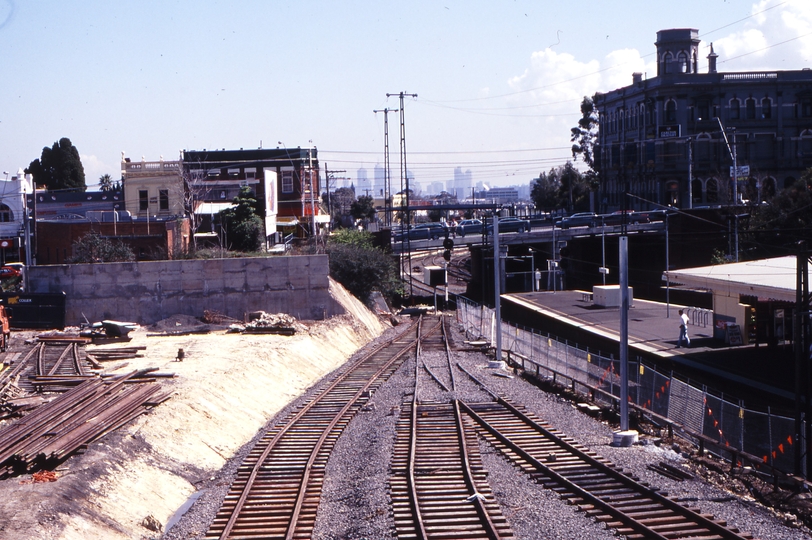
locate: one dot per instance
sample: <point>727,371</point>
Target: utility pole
<point>404,180</point>
<point>690,174</point>
<point>387,179</point>
<point>312,188</point>
<point>731,149</point>
<point>327,174</point>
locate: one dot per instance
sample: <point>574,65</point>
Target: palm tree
<point>106,183</point>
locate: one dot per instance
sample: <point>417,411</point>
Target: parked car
<point>9,272</point>
<point>616,218</point>
<point>510,224</point>
<point>423,231</point>
<point>581,219</point>
<point>469,226</point>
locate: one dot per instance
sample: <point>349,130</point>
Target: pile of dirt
<point>228,385</point>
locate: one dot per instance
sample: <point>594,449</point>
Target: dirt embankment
<point>226,388</point>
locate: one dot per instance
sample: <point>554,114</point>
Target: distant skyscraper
<point>462,184</point>
<point>379,183</point>
<point>363,186</point>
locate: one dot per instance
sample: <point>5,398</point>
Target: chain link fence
<point>702,416</point>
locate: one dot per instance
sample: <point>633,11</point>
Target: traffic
<point>511,224</point>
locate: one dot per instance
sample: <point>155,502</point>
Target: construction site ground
<point>130,483</point>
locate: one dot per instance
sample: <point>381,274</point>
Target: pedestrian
<point>683,330</point>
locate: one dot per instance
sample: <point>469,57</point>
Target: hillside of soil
<point>130,483</point>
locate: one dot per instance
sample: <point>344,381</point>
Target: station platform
<point>745,371</point>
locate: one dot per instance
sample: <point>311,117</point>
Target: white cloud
<point>94,168</point>
<point>775,38</point>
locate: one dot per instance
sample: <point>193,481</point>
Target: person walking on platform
<point>683,330</point>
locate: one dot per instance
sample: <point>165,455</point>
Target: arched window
<point>667,59</point>
<point>696,191</point>
<point>682,63</point>
<point>6,214</point>
<point>735,109</point>
<point>712,191</point>
<point>671,111</point>
<point>766,108</point>
<point>672,193</point>
<point>806,142</point>
<point>750,108</point>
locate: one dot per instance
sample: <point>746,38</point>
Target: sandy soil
<point>128,485</point>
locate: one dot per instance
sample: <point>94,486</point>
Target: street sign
<point>744,172</point>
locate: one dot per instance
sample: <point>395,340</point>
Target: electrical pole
<point>387,179</point>
<point>404,180</point>
<point>327,174</point>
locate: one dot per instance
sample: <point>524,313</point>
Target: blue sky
<point>498,83</point>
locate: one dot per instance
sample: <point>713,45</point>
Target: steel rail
<point>68,348</point>
<point>479,503</point>
<point>436,434</point>
<point>290,424</point>
<point>613,475</point>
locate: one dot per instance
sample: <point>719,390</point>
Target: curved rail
<point>630,506</point>
<point>250,510</point>
<point>445,493</point>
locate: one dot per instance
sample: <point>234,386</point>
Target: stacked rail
<point>53,431</point>
<point>277,489</point>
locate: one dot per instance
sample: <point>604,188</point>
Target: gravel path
<point>355,498</point>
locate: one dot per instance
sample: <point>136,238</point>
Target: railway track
<point>277,489</point>
<point>44,362</point>
<point>632,508</point>
<point>438,486</point>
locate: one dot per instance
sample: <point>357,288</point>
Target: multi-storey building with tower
<point>672,139</point>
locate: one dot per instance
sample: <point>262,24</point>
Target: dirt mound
<point>226,388</point>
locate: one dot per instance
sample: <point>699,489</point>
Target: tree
<point>106,183</point>
<point>545,189</point>
<point>341,201</point>
<point>361,268</point>
<point>243,226</point>
<point>788,216</point>
<point>94,248</point>
<point>563,186</point>
<point>585,134</point>
<point>363,207</point>
<point>59,167</point>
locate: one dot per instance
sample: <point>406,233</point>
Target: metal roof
<point>773,279</point>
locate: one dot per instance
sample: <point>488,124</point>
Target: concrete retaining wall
<point>146,292</point>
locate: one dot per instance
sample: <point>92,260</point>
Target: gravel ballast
<point>355,500</point>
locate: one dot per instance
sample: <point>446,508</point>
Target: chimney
<point>712,60</point>
<point>637,77</point>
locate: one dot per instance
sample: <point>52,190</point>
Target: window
<point>703,109</point>
<point>163,199</point>
<point>735,109</point>
<point>667,59</point>
<point>671,111</point>
<point>143,200</point>
<point>750,109</point>
<point>682,63</point>
<point>806,108</point>
<point>287,181</point>
<point>6,214</point>
<point>766,108</point>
